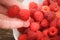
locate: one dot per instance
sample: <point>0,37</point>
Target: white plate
<point>25,3</point>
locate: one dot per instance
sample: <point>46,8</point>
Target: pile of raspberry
<point>44,20</point>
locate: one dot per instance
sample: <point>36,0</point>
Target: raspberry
<point>58,14</point>
<point>24,14</point>
<point>53,23</point>
<point>44,23</point>
<point>52,31</point>
<point>13,11</point>
<point>49,15</point>
<point>22,37</point>
<point>54,6</point>
<point>45,9</point>
<point>33,7</point>
<point>34,26</point>
<point>38,16</point>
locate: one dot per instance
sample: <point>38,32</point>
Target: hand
<point>10,23</point>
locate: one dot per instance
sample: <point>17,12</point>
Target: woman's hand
<point>10,23</point>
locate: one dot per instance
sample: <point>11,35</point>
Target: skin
<point>10,23</point>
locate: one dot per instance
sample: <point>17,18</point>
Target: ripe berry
<point>38,16</point>
<point>52,31</point>
<point>33,7</point>
<point>44,23</point>
<point>13,11</point>
<point>22,37</point>
<point>34,26</point>
<point>24,14</point>
<point>49,15</point>
<point>54,6</point>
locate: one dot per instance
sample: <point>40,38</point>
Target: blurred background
<point>7,34</point>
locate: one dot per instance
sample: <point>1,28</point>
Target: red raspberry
<point>49,15</point>
<point>58,23</point>
<point>53,23</point>
<point>52,31</point>
<point>34,26</point>
<point>13,11</point>
<point>38,16</point>
<point>54,6</point>
<point>33,7</point>
<point>45,9</point>
<point>44,23</point>
<point>24,14</point>
<point>22,37</point>
<point>58,14</point>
